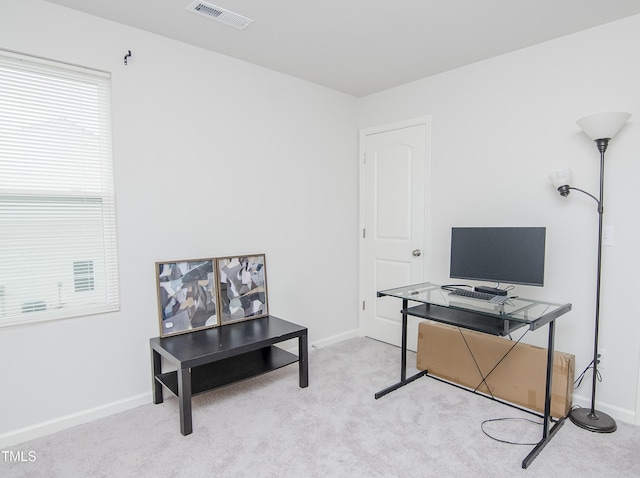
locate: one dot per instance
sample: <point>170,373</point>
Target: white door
<point>394,209</point>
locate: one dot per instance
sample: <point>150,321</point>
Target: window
<point>58,254</point>
<point>83,275</point>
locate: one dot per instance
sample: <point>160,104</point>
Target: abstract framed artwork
<point>242,285</point>
<point>187,296</point>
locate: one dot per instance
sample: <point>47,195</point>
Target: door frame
<point>364,132</point>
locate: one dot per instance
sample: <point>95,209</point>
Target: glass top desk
<point>473,314</point>
<point>432,302</point>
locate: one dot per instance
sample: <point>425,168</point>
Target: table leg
<point>303,361</point>
<point>403,361</point>
<point>184,400</point>
<point>547,399</point>
<point>547,434</point>
<point>156,369</point>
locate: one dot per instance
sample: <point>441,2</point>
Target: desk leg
<point>547,398</point>
<point>547,434</point>
<point>303,361</point>
<point>156,369</point>
<point>403,360</point>
<point>184,400</point>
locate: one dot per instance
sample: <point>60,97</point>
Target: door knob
<point>416,253</point>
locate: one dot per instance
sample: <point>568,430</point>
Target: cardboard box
<point>445,351</point>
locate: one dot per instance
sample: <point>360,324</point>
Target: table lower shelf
<point>230,370</point>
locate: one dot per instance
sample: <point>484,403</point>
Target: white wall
<point>192,128</point>
<point>212,157</point>
<point>498,128</point>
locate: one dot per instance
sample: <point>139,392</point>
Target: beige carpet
<point>269,427</point>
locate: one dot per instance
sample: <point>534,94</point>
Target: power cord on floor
<point>508,419</point>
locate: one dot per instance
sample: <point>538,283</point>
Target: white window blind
<point>58,255</point>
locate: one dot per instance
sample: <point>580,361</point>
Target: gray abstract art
<point>243,288</point>
<point>187,296</point>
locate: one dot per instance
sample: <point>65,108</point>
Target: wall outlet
<point>602,359</point>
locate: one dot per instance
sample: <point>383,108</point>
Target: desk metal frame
<point>495,323</point>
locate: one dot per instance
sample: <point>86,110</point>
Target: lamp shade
<point>561,177</point>
<point>603,125</point>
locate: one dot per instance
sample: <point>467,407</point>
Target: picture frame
<point>187,295</point>
<point>242,288</point>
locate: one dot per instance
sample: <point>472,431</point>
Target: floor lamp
<point>600,128</point>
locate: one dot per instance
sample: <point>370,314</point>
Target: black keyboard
<point>472,294</point>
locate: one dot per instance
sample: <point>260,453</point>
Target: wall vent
<point>219,14</point>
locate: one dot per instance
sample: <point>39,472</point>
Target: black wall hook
<point>126,57</point>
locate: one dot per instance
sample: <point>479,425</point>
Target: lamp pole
<point>600,128</point>
<point>592,419</point>
<point>602,147</point>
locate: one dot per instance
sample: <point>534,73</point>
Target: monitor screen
<point>512,255</point>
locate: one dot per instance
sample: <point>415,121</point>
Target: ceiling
<point>361,47</point>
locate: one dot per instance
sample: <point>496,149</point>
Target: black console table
<point>211,358</point>
<point>434,303</point>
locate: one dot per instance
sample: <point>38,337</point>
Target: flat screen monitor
<point>512,255</point>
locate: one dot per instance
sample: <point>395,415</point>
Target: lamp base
<point>597,422</point>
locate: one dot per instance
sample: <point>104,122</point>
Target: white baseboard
<point>336,339</point>
<point>617,413</point>
<point>38,430</point>
<point>292,345</point>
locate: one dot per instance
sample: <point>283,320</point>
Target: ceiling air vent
<point>220,14</point>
